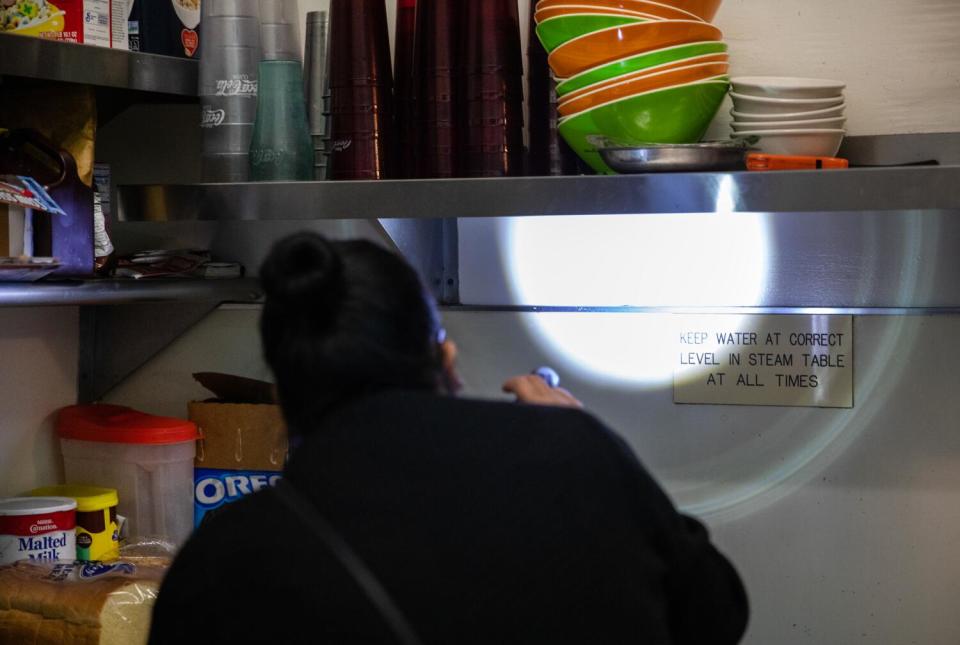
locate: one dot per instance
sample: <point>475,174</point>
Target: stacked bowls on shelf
<point>633,72</point>
<point>789,116</point>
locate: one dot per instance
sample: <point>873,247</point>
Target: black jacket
<point>488,523</point>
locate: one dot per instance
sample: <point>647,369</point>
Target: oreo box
<point>243,445</point>
<point>167,27</point>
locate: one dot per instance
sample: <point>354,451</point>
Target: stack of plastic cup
<point>281,149</point>
<point>493,78</point>
<point>279,29</point>
<point>228,87</point>
<point>439,89</point>
<point>548,153</point>
<point>317,88</point>
<point>404,66</point>
<point>363,141</point>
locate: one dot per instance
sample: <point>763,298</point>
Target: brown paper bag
<point>64,113</point>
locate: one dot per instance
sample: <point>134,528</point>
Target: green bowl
<point>553,32</point>
<point>679,114</point>
<point>637,63</point>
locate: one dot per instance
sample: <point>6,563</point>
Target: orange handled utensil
<point>760,161</point>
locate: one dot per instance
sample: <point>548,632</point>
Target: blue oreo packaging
<point>214,488</point>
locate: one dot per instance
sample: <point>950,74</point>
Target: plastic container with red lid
<point>147,458</point>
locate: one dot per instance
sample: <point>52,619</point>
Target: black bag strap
<point>378,596</point>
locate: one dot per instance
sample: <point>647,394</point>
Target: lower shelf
<point>118,292</point>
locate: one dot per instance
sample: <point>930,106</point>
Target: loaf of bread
<point>78,604</point>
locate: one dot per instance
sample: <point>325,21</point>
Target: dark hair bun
<point>305,271</point>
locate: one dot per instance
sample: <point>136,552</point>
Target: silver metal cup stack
<point>228,87</point>
<point>316,80</point>
<point>280,30</point>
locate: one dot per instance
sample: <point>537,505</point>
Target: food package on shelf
<point>167,27</point>
<point>18,197</point>
<point>244,441</point>
<point>81,603</point>
<point>91,22</point>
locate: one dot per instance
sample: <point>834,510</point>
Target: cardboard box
<point>92,22</point>
<point>244,444</point>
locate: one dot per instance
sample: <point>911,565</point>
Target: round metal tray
<point>693,157</point>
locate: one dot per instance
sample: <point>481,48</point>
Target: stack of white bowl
<point>789,116</point>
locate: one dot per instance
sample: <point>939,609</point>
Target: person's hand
<point>530,388</point>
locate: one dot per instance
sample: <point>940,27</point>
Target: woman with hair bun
<point>409,515</point>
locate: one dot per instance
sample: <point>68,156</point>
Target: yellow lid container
<point>98,531</point>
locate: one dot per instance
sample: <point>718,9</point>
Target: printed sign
<point>786,360</point>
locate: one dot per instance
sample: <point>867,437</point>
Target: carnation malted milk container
<point>37,528</point>
<point>148,459</point>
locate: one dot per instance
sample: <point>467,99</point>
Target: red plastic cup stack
<point>439,89</point>
<point>404,61</point>
<point>549,154</point>
<point>363,131</point>
<point>493,78</point>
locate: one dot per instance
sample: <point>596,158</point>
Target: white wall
<point>226,341</point>
<point>899,58</point>
<point>38,375</point>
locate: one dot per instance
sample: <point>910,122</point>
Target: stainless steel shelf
<point>117,292</point>
<point>866,189</point>
<point>735,311</point>
<point>99,66</point>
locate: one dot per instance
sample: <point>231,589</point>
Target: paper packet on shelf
<point>22,199</point>
<point>180,263</point>
<point>79,603</point>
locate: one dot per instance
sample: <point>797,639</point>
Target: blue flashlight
<point>549,375</point>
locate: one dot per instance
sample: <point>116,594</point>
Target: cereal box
<point>93,22</point>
